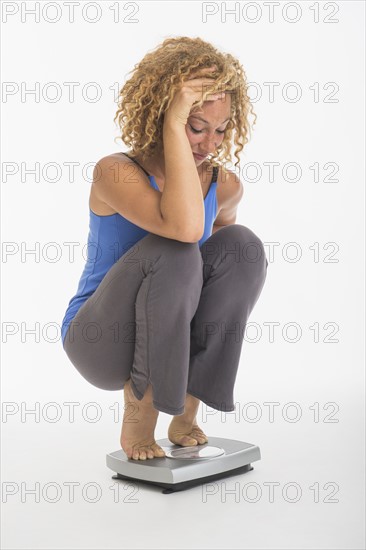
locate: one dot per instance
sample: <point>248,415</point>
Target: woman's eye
<point>195,131</point>
<point>200,131</point>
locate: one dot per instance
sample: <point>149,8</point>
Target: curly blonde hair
<point>145,97</point>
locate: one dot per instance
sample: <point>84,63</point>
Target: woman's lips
<point>199,157</point>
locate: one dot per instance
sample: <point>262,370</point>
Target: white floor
<point>315,469</point>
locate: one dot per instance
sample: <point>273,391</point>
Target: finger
<point>195,75</point>
<point>203,69</point>
<point>200,82</point>
<point>214,98</point>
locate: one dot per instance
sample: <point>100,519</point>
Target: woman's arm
<point>182,199</point>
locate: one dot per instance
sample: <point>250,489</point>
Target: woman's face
<point>205,127</point>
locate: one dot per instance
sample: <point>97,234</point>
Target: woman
<point>170,280</point>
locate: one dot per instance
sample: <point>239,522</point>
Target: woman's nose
<point>208,144</point>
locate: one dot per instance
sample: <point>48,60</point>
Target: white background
<point>324,451</point>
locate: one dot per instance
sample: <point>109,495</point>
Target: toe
<point>200,436</point>
<point>186,440</point>
<point>158,451</point>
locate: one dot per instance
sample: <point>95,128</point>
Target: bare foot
<point>183,429</point>
<point>139,421</point>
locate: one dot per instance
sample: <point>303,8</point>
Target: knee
<point>243,240</point>
<point>240,232</point>
<point>252,247</point>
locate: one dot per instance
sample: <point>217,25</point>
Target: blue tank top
<point>112,236</point>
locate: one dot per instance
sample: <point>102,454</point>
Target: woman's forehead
<point>213,112</point>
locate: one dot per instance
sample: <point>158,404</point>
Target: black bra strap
<point>137,163</point>
<point>215,173</point>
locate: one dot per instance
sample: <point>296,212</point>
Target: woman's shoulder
<point>108,162</point>
<point>118,156</point>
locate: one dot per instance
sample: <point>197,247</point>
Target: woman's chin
<point>198,160</point>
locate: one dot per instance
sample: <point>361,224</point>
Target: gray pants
<point>173,315</point>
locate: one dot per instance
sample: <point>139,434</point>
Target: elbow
<point>193,236</point>
<point>190,235</point>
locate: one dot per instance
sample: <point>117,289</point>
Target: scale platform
<point>185,467</point>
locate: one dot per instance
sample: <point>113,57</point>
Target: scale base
<point>186,467</point>
<point>169,488</point>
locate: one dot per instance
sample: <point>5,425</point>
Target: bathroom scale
<point>185,467</point>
